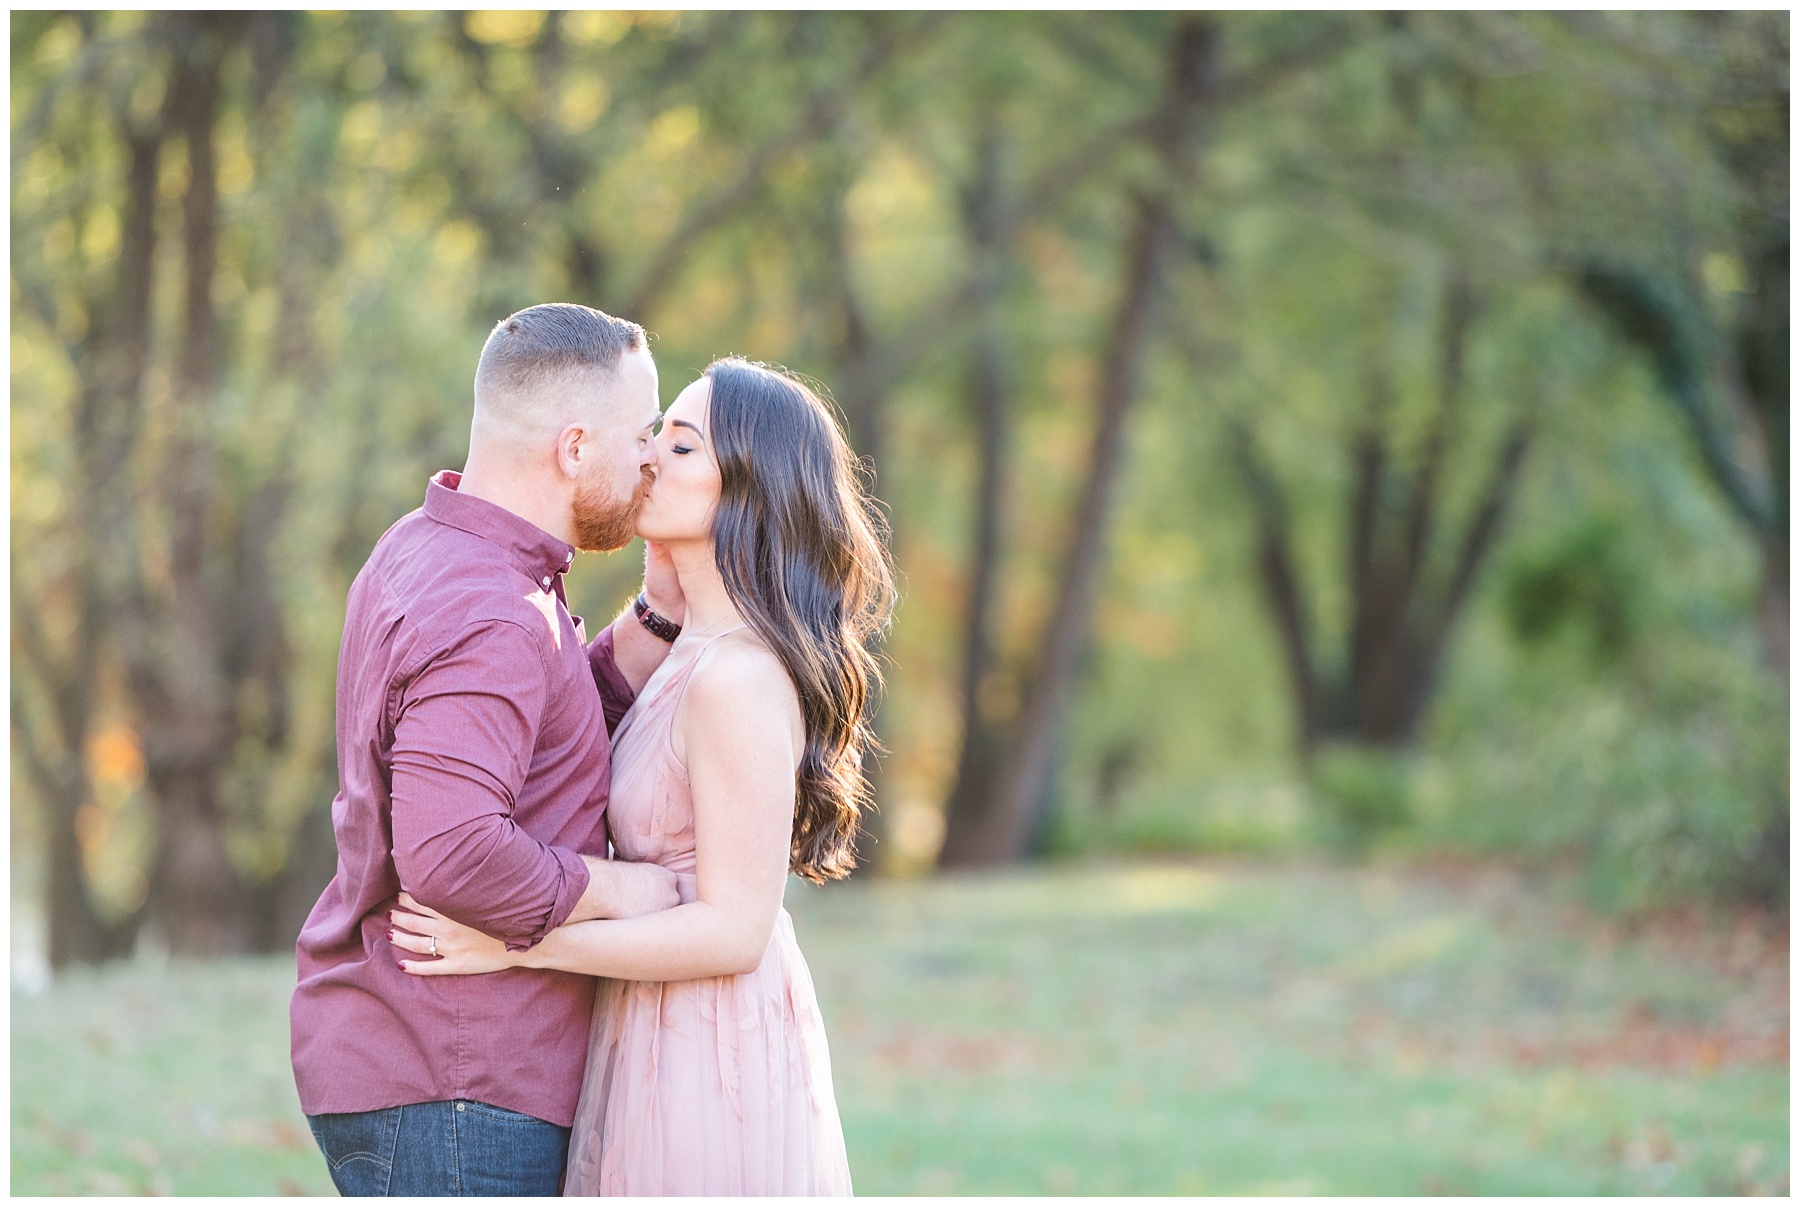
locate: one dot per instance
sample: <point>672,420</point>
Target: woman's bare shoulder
<point>741,672</point>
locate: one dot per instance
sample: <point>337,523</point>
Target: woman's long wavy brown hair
<point>802,548</point>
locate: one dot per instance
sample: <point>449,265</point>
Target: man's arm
<point>744,741</point>
<point>462,746</point>
<point>616,691</point>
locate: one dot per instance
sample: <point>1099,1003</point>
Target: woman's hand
<point>460,950</point>
<point>662,586</point>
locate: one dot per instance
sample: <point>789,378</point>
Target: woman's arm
<point>633,651</point>
<point>741,727</point>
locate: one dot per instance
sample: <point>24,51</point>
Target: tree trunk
<point>1402,614</point>
<point>820,111</point>
<point>1763,354</point>
<point>1279,574</point>
<point>1772,607</point>
<point>1689,359</point>
<point>969,808</point>
<point>196,897</point>
<point>201,908</point>
<point>78,931</point>
<point>861,396</point>
<point>256,654</point>
<point>973,799</point>
<point>1024,791</point>
<point>105,433</point>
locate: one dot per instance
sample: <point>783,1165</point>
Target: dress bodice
<point>719,1085</point>
<point>650,816</point>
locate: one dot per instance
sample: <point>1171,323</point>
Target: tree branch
<point>1648,318</point>
<point>822,108</point>
<point>75,78</point>
<point>1485,524</point>
<point>1460,306</point>
<point>1193,58</point>
<point>1369,452</point>
<point>1280,576</point>
<point>68,689</point>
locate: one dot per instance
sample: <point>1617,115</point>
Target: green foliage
<point>1586,578</point>
<point>1365,792</point>
<point>1624,586</point>
<point>1672,789</point>
<point>784,185</point>
<point>1657,760</point>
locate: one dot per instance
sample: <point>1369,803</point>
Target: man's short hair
<point>528,350</point>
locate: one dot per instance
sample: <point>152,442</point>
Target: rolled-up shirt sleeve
<point>615,691</point>
<point>467,725</point>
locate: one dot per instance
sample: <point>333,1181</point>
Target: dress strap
<point>678,686</point>
<point>677,666</point>
<point>712,637</point>
<point>693,662</point>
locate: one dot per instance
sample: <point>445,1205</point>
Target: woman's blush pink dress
<point>718,1086</point>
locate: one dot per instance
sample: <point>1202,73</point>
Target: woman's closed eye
<point>680,448</point>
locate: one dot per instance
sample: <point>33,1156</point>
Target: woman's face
<point>680,505</point>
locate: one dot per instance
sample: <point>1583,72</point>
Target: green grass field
<point>1195,1028</point>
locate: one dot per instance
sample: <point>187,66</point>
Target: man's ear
<point>573,449</point>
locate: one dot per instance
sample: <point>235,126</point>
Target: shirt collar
<point>532,549</point>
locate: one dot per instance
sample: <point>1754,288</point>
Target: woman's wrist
<point>531,957</point>
<point>652,618</point>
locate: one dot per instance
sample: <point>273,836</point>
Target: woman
<point>739,762</point>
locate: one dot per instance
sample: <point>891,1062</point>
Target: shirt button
<point>567,558</point>
<point>546,584</point>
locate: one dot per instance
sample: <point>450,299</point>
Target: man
<point>472,735</point>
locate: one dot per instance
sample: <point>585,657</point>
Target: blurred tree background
<point>1315,430</point>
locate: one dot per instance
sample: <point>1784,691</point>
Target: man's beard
<point>602,523</point>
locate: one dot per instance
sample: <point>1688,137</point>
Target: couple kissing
<point>521,810</point>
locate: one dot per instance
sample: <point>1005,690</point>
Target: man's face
<point>612,484</point>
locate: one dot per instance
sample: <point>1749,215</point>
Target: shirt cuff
<point>575,879</point>
<point>615,691</point>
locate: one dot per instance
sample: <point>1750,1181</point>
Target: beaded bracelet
<point>658,624</point>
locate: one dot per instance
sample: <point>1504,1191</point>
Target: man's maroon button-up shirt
<point>473,760</point>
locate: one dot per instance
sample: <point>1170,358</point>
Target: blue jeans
<point>442,1148</point>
